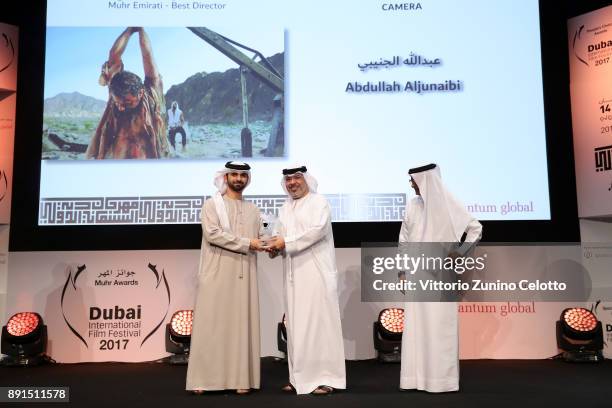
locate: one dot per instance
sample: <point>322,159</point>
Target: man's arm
<point>402,244</point>
<point>214,234</point>
<point>473,235</point>
<point>404,233</point>
<point>116,51</point>
<point>150,69</point>
<point>317,230</point>
<point>114,64</point>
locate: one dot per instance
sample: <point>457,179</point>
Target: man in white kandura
<point>315,345</point>
<point>430,344</point>
<point>225,351</point>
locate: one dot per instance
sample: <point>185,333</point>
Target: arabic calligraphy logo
<point>577,35</point>
<point>603,158</point>
<point>71,285</point>
<point>72,280</point>
<point>159,279</point>
<point>8,44</point>
<point>3,185</point>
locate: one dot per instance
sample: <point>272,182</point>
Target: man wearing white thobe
<point>430,343</point>
<point>225,349</point>
<point>315,345</point>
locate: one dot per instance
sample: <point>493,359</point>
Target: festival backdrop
<point>114,308</point>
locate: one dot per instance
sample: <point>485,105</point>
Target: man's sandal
<point>288,388</point>
<point>323,390</point>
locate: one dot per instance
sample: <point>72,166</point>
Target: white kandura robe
<point>225,349</point>
<point>315,343</point>
<point>430,342</point>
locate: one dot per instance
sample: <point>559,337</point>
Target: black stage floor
<point>484,383</point>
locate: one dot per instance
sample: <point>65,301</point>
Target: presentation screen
<point>146,100</point>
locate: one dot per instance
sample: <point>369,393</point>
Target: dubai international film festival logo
<point>605,317</point>
<point>7,53</point>
<point>576,40</point>
<point>3,185</point>
<point>116,309</point>
<point>596,51</point>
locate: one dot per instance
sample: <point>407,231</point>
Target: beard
<point>297,192</point>
<point>236,186</point>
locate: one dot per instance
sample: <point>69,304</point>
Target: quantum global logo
<point>116,326</point>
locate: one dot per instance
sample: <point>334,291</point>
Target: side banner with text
<point>590,54</point>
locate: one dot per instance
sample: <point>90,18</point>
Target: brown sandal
<point>323,390</point>
<point>243,391</point>
<point>288,388</point>
<point>197,392</point>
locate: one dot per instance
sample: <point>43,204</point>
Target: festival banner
<point>8,86</point>
<point>114,306</point>
<point>590,55</point>
<point>103,308</point>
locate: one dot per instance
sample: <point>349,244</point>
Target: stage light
<point>181,324</point>
<point>24,340</point>
<point>178,336</point>
<point>580,335</point>
<point>281,336</point>
<point>387,332</point>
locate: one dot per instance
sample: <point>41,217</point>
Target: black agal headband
<point>287,172</point>
<point>422,168</point>
<point>237,166</point>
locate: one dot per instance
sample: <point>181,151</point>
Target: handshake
<point>271,245</point>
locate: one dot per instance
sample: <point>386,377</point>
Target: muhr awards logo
<point>9,57</point>
<point>3,185</point>
<point>120,326</point>
<point>577,36</point>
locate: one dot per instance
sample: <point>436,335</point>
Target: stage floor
<point>484,383</point>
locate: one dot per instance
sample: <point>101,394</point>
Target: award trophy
<point>268,228</point>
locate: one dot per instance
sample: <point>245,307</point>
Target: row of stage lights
<point>24,338</point>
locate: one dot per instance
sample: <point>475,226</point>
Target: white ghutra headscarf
<point>310,180</point>
<point>445,218</point>
<point>221,184</point>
